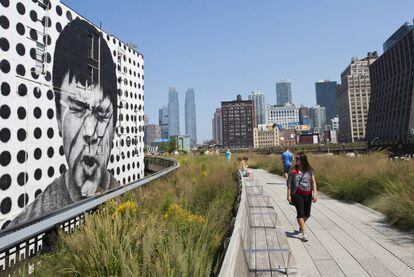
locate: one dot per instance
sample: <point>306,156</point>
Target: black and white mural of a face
<point>86,125</point>
<point>84,81</point>
<point>85,93</point>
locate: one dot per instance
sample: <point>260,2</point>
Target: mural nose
<point>90,130</point>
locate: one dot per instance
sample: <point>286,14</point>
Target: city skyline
<point>202,54</point>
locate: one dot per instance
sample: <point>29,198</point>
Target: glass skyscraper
<point>173,113</point>
<point>190,116</point>
<point>163,121</point>
<point>259,106</point>
<point>326,97</point>
<point>283,93</point>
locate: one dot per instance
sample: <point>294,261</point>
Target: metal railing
<point>27,239</point>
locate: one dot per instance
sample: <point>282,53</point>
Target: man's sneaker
<point>304,237</point>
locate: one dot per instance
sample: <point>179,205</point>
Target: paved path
<point>344,239</point>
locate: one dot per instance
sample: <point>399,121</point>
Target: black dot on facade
<point>21,113</point>
<point>61,152</point>
<point>5,181</point>
<point>20,70</point>
<point>20,8</point>
<point>20,49</point>
<point>4,22</point>
<point>21,156</point>
<point>33,53</point>
<point>4,44</point>
<point>37,92</point>
<point>38,174</point>
<point>58,27</point>
<point>20,29</point>
<point>46,21</point>
<point>5,205</point>
<point>5,89</point>
<point>50,113</point>
<point>33,16</point>
<point>5,111</point>
<point>33,34</point>
<point>5,66</point>
<point>48,76</point>
<point>22,90</point>
<point>5,3</point>
<point>49,94</point>
<point>22,178</point>
<point>37,153</point>
<point>37,133</point>
<point>21,134</point>
<point>37,112</point>
<point>5,158</point>
<point>50,152</point>
<point>50,171</point>
<point>50,133</point>
<point>58,10</point>
<point>23,200</point>
<point>5,135</point>
<point>39,191</point>
<point>62,168</point>
<point>34,74</point>
<point>69,15</point>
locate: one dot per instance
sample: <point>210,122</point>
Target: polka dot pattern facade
<point>31,151</point>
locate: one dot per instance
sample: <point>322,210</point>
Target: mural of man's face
<point>87,128</point>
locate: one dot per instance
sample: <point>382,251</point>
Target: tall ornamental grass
<point>174,227</point>
<point>373,180</point>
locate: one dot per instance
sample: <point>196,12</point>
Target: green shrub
<point>173,227</point>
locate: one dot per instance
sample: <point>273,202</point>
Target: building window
<point>90,46</point>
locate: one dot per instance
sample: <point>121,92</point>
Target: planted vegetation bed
<point>174,227</point>
<point>372,180</point>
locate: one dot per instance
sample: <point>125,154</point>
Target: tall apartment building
<point>190,116</point>
<point>391,112</point>
<point>318,115</point>
<point>259,106</point>
<point>283,93</point>
<point>353,99</point>
<point>335,123</point>
<point>326,97</point>
<point>304,116</point>
<point>217,127</point>
<point>163,121</point>
<point>173,113</point>
<point>152,132</point>
<point>265,136</point>
<point>238,121</point>
<point>71,105</point>
<point>286,117</point>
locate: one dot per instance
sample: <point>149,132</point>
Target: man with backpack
<point>287,159</point>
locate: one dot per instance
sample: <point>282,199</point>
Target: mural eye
<point>101,115</point>
<point>76,107</point>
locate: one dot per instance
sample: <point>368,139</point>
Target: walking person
<point>228,154</point>
<point>287,159</point>
<point>302,191</point>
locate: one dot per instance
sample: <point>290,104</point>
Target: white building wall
<point>287,116</point>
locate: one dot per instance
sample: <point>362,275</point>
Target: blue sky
<point>226,47</point>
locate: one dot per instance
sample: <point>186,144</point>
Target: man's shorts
<point>286,168</point>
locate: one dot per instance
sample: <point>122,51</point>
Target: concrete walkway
<point>344,239</point>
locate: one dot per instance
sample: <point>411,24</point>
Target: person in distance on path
<point>287,159</point>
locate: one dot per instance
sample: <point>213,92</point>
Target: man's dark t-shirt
<point>54,197</point>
